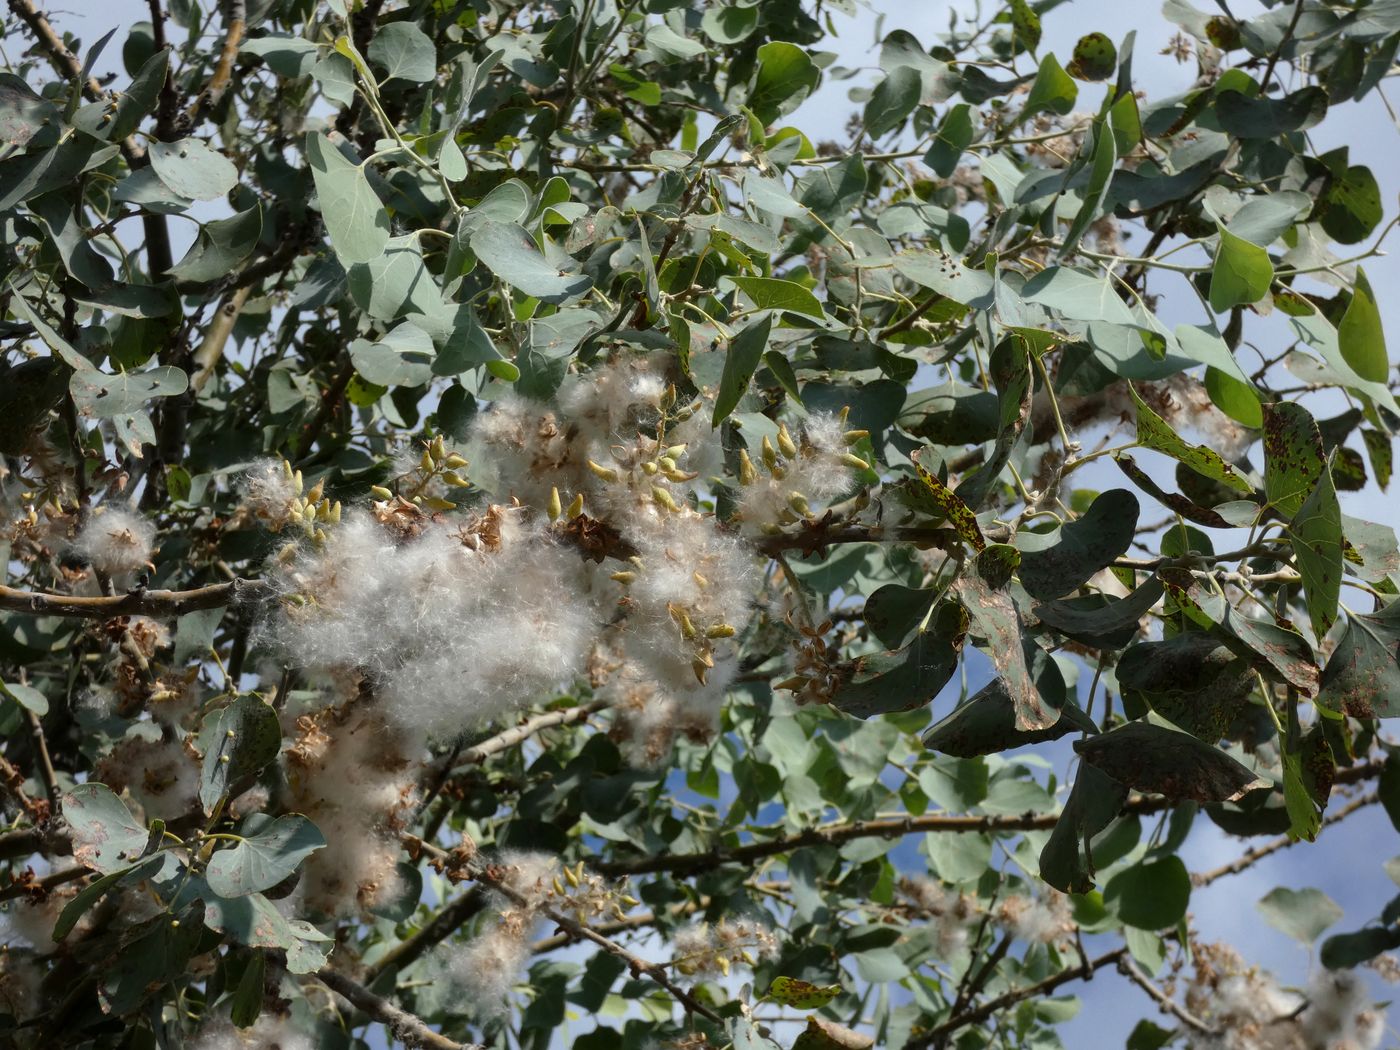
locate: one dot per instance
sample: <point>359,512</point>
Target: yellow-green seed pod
<point>700,581</point>
<point>606,473</point>
<point>455,462</point>
<point>700,671</point>
<point>748,473</point>
<point>786,445</point>
<point>663,496</point>
<point>770,454</point>
<point>555,507</point>
<point>334,516</point>
<point>798,502</point>
<point>571,875</point>
<point>667,464</point>
<point>851,437</point>
<point>649,469</point>
<point>676,451</point>
<point>314,496</point>
<point>381,492</point>
<point>425,461</point>
<point>308,513</point>
<point>721,630</point>
<point>558,886</point>
<point>575,507</point>
<point>623,577</point>
<point>452,478</point>
<point>438,449</point>
<point>296,482</point>
<point>854,461</point>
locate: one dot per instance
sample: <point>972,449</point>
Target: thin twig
<point>1130,970</point>
<point>407,1028</point>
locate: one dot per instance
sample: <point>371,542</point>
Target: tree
<point>511,543</point>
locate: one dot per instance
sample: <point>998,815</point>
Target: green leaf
<point>1095,58</point>
<point>952,139</point>
<point>238,740</point>
<point>353,213</point>
<point>1350,208</point>
<point>1053,91</point>
<point>893,99</point>
<point>1066,860</point>
<point>139,100</point>
<point>1316,537</point>
<point>1098,620</point>
<point>1362,677</point>
<point>1301,914</point>
<point>1361,335</point>
<point>254,920</point>
<point>1166,762</point>
<point>512,255</point>
<point>1010,368</point>
<point>404,52</point>
<point>1239,401</point>
<point>27,697</point>
<point>946,275</point>
<point>103,396</point>
<point>1293,459</point>
<point>220,247</point>
<point>1241,273</point>
<point>263,860</point>
<point>288,56</point>
<point>910,677</point>
<point>786,75</point>
<point>192,169</point>
<point>1269,118</point>
<point>729,23</point>
<point>1154,433</point>
<point>94,891</point>
<point>771,293</point>
<point>1096,191</point>
<point>1150,895</point>
<point>1086,545</point>
<point>740,363</point>
<point>246,1004</point>
<point>986,725</point>
<point>1344,951</point>
<point>105,834</point>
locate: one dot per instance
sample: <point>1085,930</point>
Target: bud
<point>649,468</point>
<point>451,477</point>
<point>571,875</point>
<point>663,497</point>
<point>455,461</point>
<point>798,502</point>
<point>852,460</point>
<point>721,630</point>
<point>558,887</point>
<point>676,451</point>
<point>575,507</point>
<point>623,577</point>
<point>770,454</point>
<point>682,619</point>
<point>425,462</point>
<point>296,482</point>
<point>381,492</point>
<point>667,464</point>
<point>555,508</point>
<point>850,437</point>
<point>786,445</point>
<point>438,450</point>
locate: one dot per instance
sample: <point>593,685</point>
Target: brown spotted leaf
<point>957,512</point>
<point>1362,677</point>
<point>105,834</point>
<point>996,619</point>
<point>1171,500</point>
<point>1293,457</point>
<point>1167,762</point>
<point>1011,372</point>
<point>906,678</point>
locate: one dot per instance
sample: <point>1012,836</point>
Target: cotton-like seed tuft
<point>116,541</point>
<point>269,1032</point>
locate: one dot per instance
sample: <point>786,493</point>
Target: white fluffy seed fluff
<point>460,622</point>
<point>486,968</point>
<point>269,1032</point>
<point>269,493</point>
<point>116,540</point>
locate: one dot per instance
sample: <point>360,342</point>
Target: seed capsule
<point>748,473</point>
<point>381,492</point>
<point>575,507</point>
<point>770,454</point>
<point>606,473</point>
<point>850,437</point>
<point>455,461</point>
<point>555,508</point>
<point>852,460</point>
<point>786,445</point>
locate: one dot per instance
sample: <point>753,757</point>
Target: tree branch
<point>1130,970</point>
<point>837,834</point>
<point>408,1029</point>
<point>160,604</point>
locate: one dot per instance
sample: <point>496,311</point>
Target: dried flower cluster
<point>708,950</point>
<point>955,915</point>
